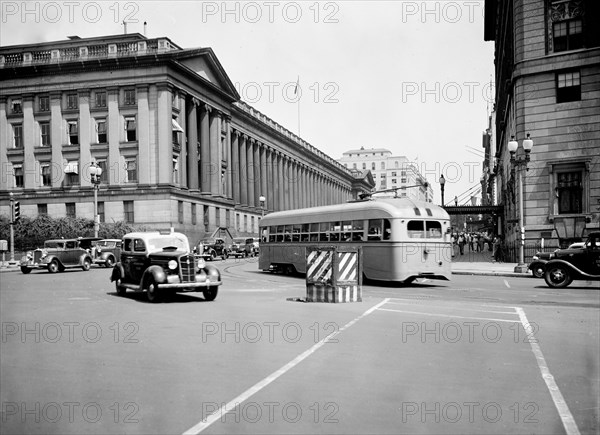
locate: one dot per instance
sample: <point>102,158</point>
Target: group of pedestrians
<point>476,242</point>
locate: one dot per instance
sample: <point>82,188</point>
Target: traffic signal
<point>16,212</point>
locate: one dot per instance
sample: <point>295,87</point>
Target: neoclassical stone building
<point>177,146</point>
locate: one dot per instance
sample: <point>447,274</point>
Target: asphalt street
<point>475,355</point>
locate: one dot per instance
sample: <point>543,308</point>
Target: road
<point>477,355</point>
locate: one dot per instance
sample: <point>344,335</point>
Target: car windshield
<point>106,243</point>
<point>54,244</point>
<point>239,241</point>
<point>207,241</point>
<point>157,244</point>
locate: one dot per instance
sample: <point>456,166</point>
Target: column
<point>205,149</point>
<point>235,166</point>
<point>250,170</point>
<point>270,185</point>
<point>30,169</point>
<point>192,134</point>
<point>228,157</point>
<point>243,171</point>
<point>280,182</point>
<point>215,154</point>
<point>257,173</point>
<point>264,172</point>
<point>165,134</point>
<point>115,169</point>
<point>143,130</point>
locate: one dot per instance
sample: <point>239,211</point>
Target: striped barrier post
<point>333,274</point>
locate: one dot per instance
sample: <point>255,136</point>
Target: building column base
<point>521,268</point>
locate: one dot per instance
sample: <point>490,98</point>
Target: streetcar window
<point>347,231</point>
<point>334,232</point>
<point>323,232</point>
<point>375,229</point>
<point>287,236</point>
<point>415,229</point>
<point>433,229</point>
<point>387,230</point>
<point>304,235</point>
<point>296,233</point>
<point>358,228</point>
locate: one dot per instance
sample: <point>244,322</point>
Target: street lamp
<point>518,164</point>
<point>442,183</point>
<point>95,173</point>
<point>262,200</point>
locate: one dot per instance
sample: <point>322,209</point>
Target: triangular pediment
<point>205,64</point>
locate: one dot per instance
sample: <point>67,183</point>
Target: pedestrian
<point>453,240</point>
<point>479,242</point>
<point>497,249</point>
<point>461,243</point>
<point>471,242</point>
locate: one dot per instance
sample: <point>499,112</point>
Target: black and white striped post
<point>334,274</point>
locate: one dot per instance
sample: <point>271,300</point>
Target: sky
<point>414,77</point>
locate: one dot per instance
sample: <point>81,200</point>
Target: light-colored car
<point>107,252</point>
<point>242,247</point>
<point>158,263</point>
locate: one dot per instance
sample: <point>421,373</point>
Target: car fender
<point>155,272</point>
<point>212,272</point>
<point>83,257</point>
<point>50,258</point>
<point>536,263</point>
<point>117,273</point>
<point>570,267</point>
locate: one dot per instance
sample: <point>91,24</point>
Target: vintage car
<point>158,263</point>
<point>565,265</point>
<point>57,255</point>
<point>211,248</point>
<point>107,252</point>
<point>242,247</point>
<point>538,263</point>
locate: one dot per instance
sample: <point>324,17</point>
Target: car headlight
<point>201,263</point>
<point>552,256</point>
<point>172,264</point>
<point>44,253</point>
<point>535,257</point>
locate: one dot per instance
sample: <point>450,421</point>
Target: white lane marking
<point>506,283</point>
<point>455,308</point>
<point>559,401</point>
<point>210,419</point>
<point>450,316</point>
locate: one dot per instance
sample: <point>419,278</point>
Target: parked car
<point>107,252</point>
<point>538,265</point>
<point>242,247</point>
<point>211,248</point>
<point>56,256</point>
<point>565,265</point>
<point>256,245</point>
<point>158,263</point>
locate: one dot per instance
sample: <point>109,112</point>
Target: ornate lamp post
<point>442,184</point>
<point>518,164</point>
<point>262,200</point>
<point>95,173</point>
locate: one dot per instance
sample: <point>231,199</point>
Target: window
<point>72,102</point>
<point>130,129</point>
<point>205,217</point>
<point>128,211</point>
<point>18,135</point>
<point>382,165</point>
<point>568,87</point>
<point>18,174</point>
<point>373,166</point>
<point>101,99</point>
<point>72,173</point>
<point>415,229</point>
<point>130,171</point>
<point>403,180</point>
<point>178,129</point>
<point>180,211</point>
<point>569,191</point>
<point>433,229</point>
<point>364,165</point>
<point>139,245</point>
<point>193,214</point>
<point>403,173</point>
<point>70,208</point>
<point>394,173</point>
<point>567,35</point>
<point>101,136</point>
<point>44,103</point>
<point>104,176</point>
<point>16,106</point>
<point>42,209</point>
<point>44,134</point>
<point>175,171</point>
<point>73,131</point>
<point>130,97</point>
<point>353,165</point>
<point>46,174</point>
<point>396,164</point>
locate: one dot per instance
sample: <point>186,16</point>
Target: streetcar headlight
<point>172,265</point>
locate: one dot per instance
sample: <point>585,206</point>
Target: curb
<point>507,274</point>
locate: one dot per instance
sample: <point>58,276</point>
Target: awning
<point>72,168</point>
<point>176,126</point>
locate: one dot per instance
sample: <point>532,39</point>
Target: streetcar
<point>402,239</point>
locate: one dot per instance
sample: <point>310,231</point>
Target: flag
<point>297,86</point>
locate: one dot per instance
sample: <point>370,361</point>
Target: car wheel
<point>538,271</point>
<point>86,265</point>
<point>25,270</point>
<point>120,289</point>
<point>109,262</point>
<point>210,293</point>
<point>153,293</point>
<point>557,276</point>
<point>53,267</point>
